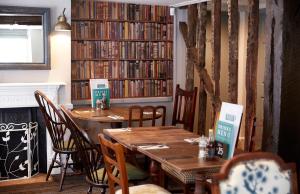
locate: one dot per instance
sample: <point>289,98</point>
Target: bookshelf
<point>130,45</point>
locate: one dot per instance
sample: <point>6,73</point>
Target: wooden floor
<point>37,184</point>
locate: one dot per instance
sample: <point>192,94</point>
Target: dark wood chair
<point>57,129</point>
<point>256,172</point>
<point>183,113</point>
<point>147,113</point>
<point>92,158</point>
<point>90,155</point>
<point>184,108</point>
<point>113,154</point>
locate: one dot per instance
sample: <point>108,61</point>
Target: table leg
<point>155,172</point>
<point>200,183</point>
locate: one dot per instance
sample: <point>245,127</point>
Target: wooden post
<point>251,68</point>
<point>233,31</point>
<point>202,20</point>
<point>282,82</point>
<point>193,58</point>
<point>216,51</point>
<point>191,44</point>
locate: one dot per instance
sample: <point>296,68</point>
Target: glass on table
<point>202,147</point>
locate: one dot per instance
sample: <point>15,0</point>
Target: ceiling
<point>174,3</point>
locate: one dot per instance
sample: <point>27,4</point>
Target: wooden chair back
<point>184,107</point>
<point>255,172</point>
<point>113,154</point>
<point>55,123</point>
<point>147,113</point>
<point>90,153</point>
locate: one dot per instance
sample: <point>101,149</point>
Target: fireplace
<point>22,130</point>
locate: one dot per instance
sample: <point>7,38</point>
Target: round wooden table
<point>112,115</point>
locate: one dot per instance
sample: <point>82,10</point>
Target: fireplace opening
<point>23,147</point>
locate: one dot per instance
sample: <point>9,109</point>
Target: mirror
<point>24,41</point>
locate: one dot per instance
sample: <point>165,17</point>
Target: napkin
<point>192,140</point>
<point>153,147</point>
<point>150,113</point>
<point>119,130</point>
<point>83,111</point>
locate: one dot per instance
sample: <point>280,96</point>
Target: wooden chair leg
<point>51,166</point>
<point>162,177</point>
<point>186,189</point>
<point>90,190</point>
<point>63,173</point>
<point>165,179</point>
<point>103,191</point>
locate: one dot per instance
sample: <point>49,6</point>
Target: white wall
<point>60,50</point>
<point>179,49</point>
<point>37,45</point>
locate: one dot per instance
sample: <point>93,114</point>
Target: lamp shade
<point>62,24</point>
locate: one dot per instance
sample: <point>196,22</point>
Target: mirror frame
<point>45,13</point>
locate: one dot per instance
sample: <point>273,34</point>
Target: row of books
<point>121,69</point>
<point>126,89</point>
<point>121,50</point>
<point>122,30</point>
<point>91,9</point>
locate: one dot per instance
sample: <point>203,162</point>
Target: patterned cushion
<point>134,173</point>
<point>185,177</point>
<point>145,189</point>
<point>259,176</point>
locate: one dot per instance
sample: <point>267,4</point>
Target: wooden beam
<point>202,21</point>
<point>216,51</point>
<point>251,68</point>
<point>233,32</point>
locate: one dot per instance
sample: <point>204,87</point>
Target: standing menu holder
<point>228,128</point>
<point>99,90</point>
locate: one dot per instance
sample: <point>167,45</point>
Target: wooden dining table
<point>114,115</point>
<point>177,153</point>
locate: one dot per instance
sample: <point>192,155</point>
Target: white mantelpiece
<point>16,95</point>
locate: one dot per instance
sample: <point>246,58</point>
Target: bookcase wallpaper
<point>130,45</point>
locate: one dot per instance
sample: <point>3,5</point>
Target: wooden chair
<point>256,172</point>
<point>57,129</point>
<point>147,113</point>
<point>113,154</point>
<point>92,158</point>
<point>183,113</point>
<point>184,108</point>
<point>90,155</point>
